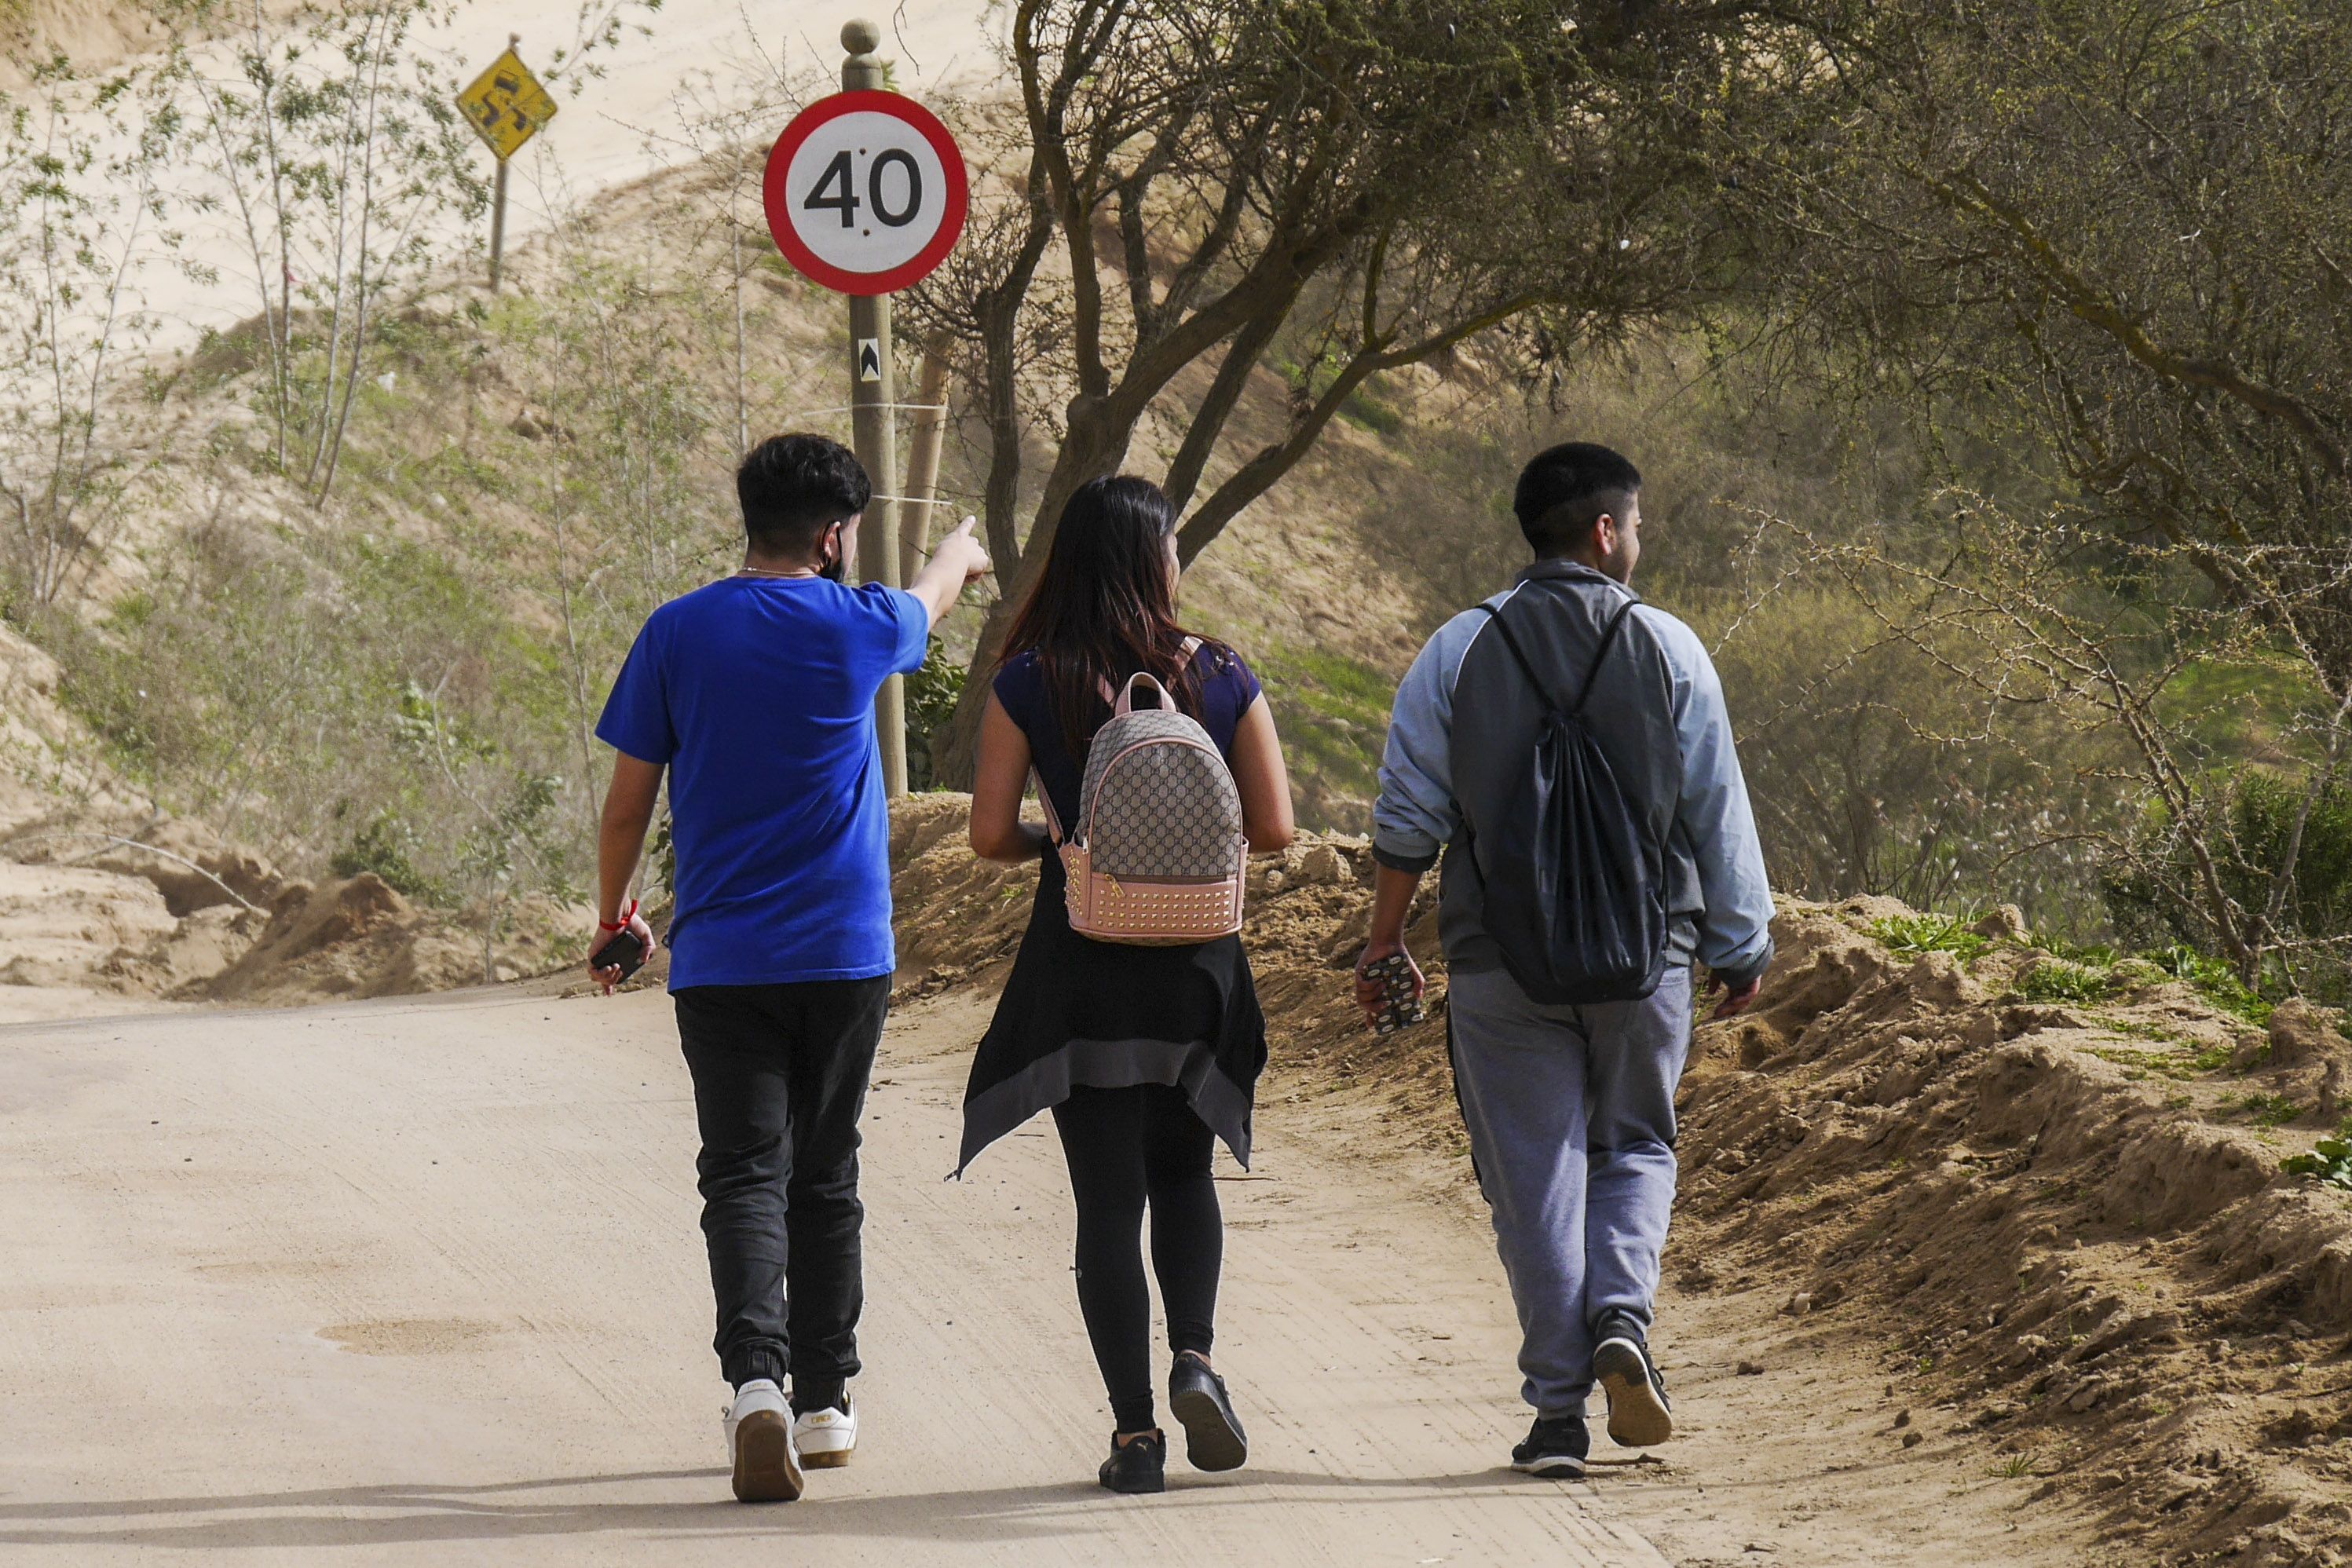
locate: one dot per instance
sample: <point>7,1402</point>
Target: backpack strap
<point>1608,641</point>
<point>1517,653</point>
<point>1126,703</point>
<point>1045,798</point>
<point>1592,672</point>
<point>1114,696</point>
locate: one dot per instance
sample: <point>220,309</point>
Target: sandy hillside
<point>110,904</point>
<point>109,900</point>
<point>614,126</point>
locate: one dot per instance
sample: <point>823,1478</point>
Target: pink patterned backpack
<point>1158,857</point>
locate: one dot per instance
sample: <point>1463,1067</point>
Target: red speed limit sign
<point>865,192</point>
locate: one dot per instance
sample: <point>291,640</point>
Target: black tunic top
<point>1102,1014</point>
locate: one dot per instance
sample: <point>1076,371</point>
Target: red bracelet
<point>623,924</point>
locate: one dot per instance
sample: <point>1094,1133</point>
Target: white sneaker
<point>826,1438</point>
<point>760,1438</point>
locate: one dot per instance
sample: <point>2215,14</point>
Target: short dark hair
<point>1565,489</point>
<point>793,487</point>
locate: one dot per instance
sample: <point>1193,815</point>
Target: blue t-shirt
<point>1227,688</point>
<point>758,692</point>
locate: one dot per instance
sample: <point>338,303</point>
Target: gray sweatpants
<point>1570,1111</point>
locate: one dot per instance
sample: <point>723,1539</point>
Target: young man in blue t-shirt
<point>756,694</point>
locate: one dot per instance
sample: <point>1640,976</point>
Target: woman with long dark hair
<point>1145,1055</point>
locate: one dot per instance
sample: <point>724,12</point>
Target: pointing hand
<point>976,563</point>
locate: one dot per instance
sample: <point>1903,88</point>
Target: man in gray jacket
<point>1570,1109</point>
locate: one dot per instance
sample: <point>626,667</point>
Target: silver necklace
<point>763,571</point>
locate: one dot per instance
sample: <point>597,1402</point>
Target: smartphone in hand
<point>625,952</point>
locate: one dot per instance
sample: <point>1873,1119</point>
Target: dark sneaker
<point>1639,1412</point>
<point>1138,1464</point>
<point>1213,1439</point>
<point>1556,1445</point>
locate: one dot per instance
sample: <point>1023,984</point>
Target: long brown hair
<point>1104,607</point>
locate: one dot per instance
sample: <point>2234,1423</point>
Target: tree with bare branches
<point>2109,240</point>
<point>1367,183</point>
<point>83,169</point>
<point>330,142</point>
<point>2050,615</point>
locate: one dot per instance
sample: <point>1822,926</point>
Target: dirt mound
<point>92,34</point>
<point>2066,1223</point>
<point>357,937</point>
<point>959,918</point>
<point>111,914</point>
<point>2062,1225</point>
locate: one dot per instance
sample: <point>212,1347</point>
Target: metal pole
<point>873,431</point>
<point>498,202</point>
<point>498,223</point>
<point>923,465</point>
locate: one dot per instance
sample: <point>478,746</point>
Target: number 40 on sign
<point>865,192</point>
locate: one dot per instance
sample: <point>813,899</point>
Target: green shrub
<point>2056,980</point>
<point>933,692</point>
<point>1364,407</point>
<point>1335,717</point>
<point>2270,1110</point>
<point>1367,409</point>
<point>2330,1163</point>
<point>2094,954</point>
<point>1861,783</point>
<point>2213,979</point>
<point>518,840</point>
<point>2212,1059</point>
<point>387,846</point>
<point>2150,906</point>
<point>1908,936</point>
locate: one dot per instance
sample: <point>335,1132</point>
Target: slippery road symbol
<point>506,105</point>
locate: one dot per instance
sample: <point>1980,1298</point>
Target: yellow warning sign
<point>507,105</point>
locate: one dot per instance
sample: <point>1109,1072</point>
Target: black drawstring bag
<point>1581,915</point>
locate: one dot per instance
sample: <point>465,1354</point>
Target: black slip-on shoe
<point>1640,1414</point>
<point>1138,1465</point>
<point>1556,1445</point>
<point>1213,1439</point>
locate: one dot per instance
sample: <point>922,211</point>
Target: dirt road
<point>420,1282</point>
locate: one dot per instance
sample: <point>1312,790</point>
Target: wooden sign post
<point>873,423</point>
<point>866,194</point>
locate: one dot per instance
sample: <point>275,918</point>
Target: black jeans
<point>780,1075</point>
<point>1127,1147</point>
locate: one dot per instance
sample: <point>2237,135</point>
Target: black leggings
<point>1125,1147</point>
